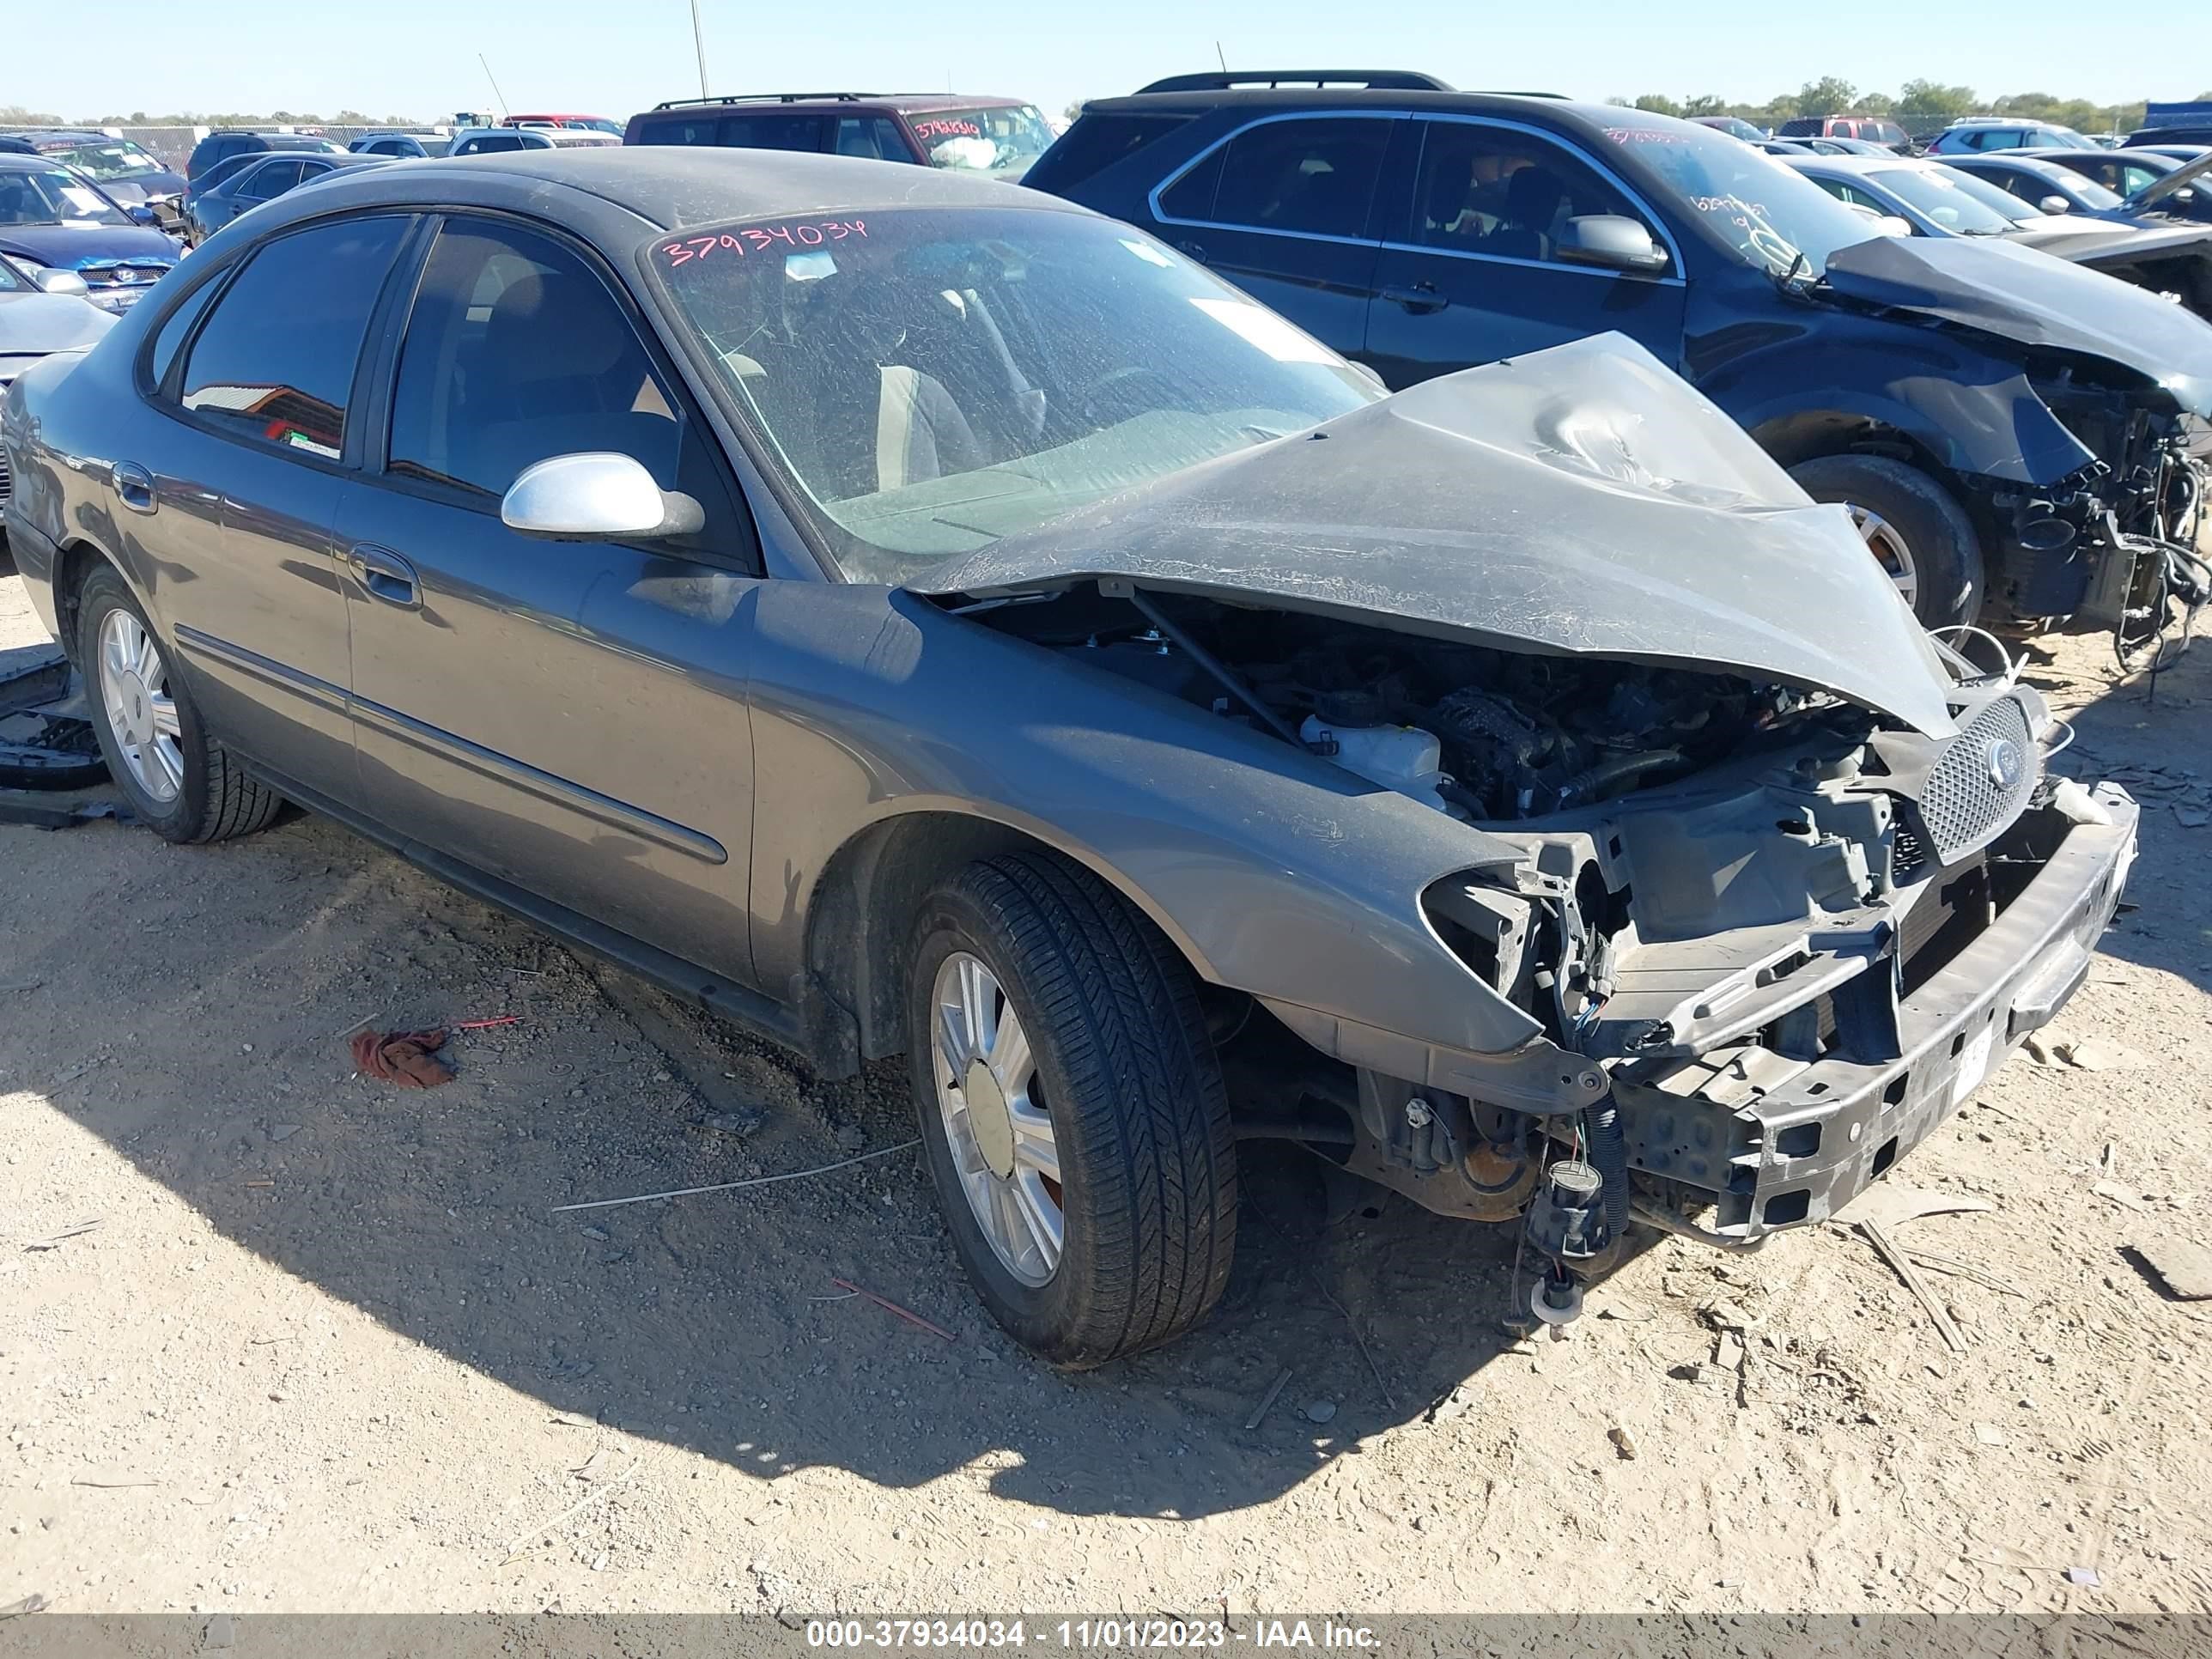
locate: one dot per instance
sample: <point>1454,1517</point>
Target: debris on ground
<point>1320,1411</point>
<point>2095,1054</point>
<point>406,1058</point>
<point>1623,1442</point>
<point>734,1186</point>
<point>2119,1195</point>
<point>1944,1327</point>
<point>1268,1400</point>
<point>54,1241</point>
<point>890,1306</point>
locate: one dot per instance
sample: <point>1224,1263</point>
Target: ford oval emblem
<point>2005,762</point>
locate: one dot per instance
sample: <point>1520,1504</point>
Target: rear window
<point>1096,143</point>
<point>755,129</point>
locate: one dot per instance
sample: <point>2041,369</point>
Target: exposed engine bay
<point>1726,897</point>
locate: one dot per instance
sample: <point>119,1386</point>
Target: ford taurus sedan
<point>912,615</point>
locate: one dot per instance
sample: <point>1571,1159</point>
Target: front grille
<point>123,273</point>
<point>1982,781</point>
<point>7,479</point>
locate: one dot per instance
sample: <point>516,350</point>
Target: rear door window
<point>270,180</point>
<point>775,129</point>
<point>1314,176</point>
<point>274,361</point>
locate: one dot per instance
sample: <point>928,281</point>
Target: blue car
<point>52,217</point>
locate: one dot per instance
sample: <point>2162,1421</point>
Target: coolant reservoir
<point>1400,757</point>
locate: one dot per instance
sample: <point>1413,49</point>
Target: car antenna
<point>495,92</point>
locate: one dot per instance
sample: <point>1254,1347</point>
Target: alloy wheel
<point>1888,545</point>
<point>995,1121</point>
<point>134,688</point>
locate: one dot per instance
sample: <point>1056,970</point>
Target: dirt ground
<point>327,1346</point>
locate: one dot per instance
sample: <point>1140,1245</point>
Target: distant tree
<point>1876,103</point>
<point>1933,100</point>
<point>15,115</point>
<point>349,117</point>
<point>1829,95</point>
<point>1705,103</point>
<point>1657,103</point>
<point>1074,108</point>
<point>138,118</point>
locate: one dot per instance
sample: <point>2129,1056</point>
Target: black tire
<point>1939,538</point>
<point>215,799</point>
<point>1148,1160</point>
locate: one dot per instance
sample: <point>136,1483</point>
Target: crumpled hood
<point>2020,295</point>
<point>1578,500</point>
<point>73,246</point>
<point>39,325</point>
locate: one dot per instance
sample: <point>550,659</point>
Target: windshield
<point>1003,140</point>
<point>104,162</point>
<point>2088,193</point>
<point>1736,128</point>
<point>10,281</point>
<point>54,198</point>
<point>1943,195</point>
<point>935,380</point>
<point>2064,139</point>
<point>1775,218</point>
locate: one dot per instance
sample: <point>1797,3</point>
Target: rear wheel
<point>180,780</point>
<point>1912,527</point>
<point>1073,1114</point>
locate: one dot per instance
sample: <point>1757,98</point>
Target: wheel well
<point>863,910</point>
<point>73,566</point>
<point>1812,433</point>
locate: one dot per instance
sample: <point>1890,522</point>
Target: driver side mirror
<point>2056,204</point>
<point>53,281</point>
<point>596,497</point>
<point>140,214</point>
<point>1610,240</point>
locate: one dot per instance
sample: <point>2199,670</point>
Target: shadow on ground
<point>708,1321</point>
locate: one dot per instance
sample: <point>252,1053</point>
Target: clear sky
<point>612,57</point>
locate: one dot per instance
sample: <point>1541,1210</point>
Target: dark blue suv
<point>1981,410</point>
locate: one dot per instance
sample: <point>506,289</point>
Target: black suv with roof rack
<point>997,136</point>
<point>1980,414</point>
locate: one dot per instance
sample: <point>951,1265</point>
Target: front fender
<point>1275,872</point>
<point>1974,413</point>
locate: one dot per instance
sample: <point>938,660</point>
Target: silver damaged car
<point>917,618</point>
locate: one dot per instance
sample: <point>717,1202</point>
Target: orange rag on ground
<point>406,1058</point>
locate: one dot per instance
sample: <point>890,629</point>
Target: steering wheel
<point>1087,399</point>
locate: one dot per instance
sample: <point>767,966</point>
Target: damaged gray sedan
<point>914,616</point>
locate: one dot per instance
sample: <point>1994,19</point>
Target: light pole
<point>699,46</point>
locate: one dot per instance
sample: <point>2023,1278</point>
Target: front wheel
<point>1912,527</point>
<point>1072,1112</point>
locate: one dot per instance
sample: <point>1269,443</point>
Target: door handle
<point>1420,299</point>
<point>383,574</point>
<point>134,486</point>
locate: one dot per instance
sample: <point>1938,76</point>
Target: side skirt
<point>759,1015</point>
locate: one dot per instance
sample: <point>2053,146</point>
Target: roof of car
<point>13,161</point>
<point>672,188</point>
<point>2065,154</point>
<point>922,102</point>
<point>1859,164</point>
<point>2028,159</point>
<point>1354,97</point>
<point>67,135</point>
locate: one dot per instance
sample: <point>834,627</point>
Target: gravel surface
<point>328,1347</point>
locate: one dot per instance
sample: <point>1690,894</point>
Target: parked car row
<point>913,616</point>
